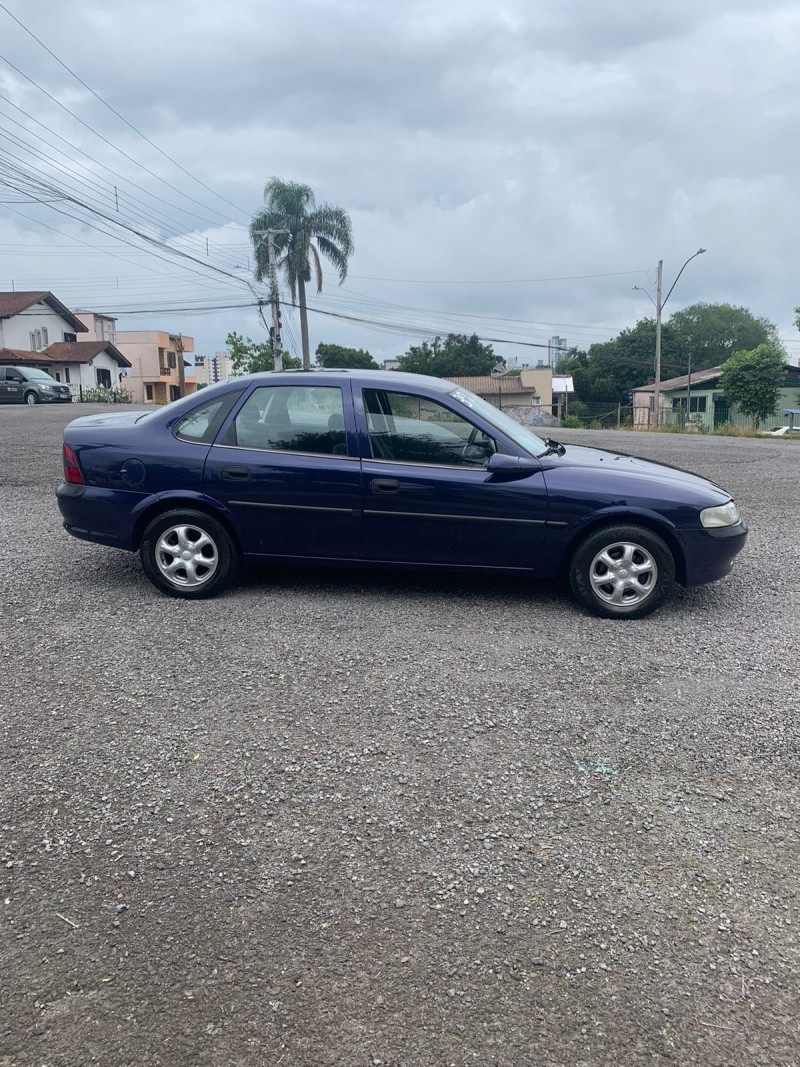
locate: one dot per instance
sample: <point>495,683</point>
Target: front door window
<point>405,428</point>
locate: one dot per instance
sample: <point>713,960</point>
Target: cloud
<point>470,141</point>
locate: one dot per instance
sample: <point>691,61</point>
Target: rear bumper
<point>104,516</point>
<point>709,554</point>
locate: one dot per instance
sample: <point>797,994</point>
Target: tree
<point>752,380</point>
<point>704,335</point>
<point>711,333</point>
<point>610,370</point>
<point>311,231</point>
<point>330,356</point>
<point>249,356</point>
<point>456,356</point>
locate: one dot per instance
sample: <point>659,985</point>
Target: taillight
<point>72,472</point>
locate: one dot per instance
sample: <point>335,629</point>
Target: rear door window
<point>296,418</point>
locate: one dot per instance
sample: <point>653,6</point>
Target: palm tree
<point>309,231</point>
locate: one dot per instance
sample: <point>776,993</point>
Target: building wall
<point>16,332</point>
<point>144,349</point>
<point>717,410</point>
<point>100,327</point>
<point>540,379</point>
<point>84,375</point>
<point>212,369</point>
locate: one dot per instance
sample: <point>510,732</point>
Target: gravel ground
<point>362,819</point>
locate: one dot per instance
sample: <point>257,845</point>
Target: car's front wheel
<point>188,554</point>
<point>622,572</point>
<point>31,398</point>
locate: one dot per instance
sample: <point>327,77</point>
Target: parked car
<point>29,385</point>
<point>383,469</point>
<point>782,431</point>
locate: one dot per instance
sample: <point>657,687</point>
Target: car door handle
<point>384,485</point>
<point>235,474</point>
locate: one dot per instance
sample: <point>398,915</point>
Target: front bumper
<point>709,554</point>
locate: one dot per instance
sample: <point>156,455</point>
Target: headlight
<point>724,515</point>
<point>50,387</point>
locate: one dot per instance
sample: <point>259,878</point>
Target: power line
<point>45,187</point>
<point>103,167</point>
<point>499,281</point>
<point>111,144</point>
<point>119,116</point>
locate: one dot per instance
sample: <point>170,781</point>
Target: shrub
<point>728,429</point>
<point>101,395</point>
<point>570,422</point>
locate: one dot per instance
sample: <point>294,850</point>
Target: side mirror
<point>521,466</point>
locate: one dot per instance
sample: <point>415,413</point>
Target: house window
<point>103,377</point>
<point>32,340</point>
<point>66,375</point>
<point>45,341</point>
<point>148,392</point>
<point>57,376</point>
<point>172,362</point>
<point>70,337</point>
<point>698,405</point>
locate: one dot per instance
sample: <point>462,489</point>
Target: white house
<point>37,330</point>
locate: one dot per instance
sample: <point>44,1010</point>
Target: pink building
<point>154,377</point>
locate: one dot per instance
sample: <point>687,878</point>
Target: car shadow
<point>399,583</point>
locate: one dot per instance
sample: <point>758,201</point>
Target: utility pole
<point>274,298</point>
<point>181,368</point>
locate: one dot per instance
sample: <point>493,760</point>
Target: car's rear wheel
<point>31,398</point>
<point>622,572</point>
<point>189,554</point>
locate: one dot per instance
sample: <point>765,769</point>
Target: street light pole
<point>659,308</point>
<point>657,384</point>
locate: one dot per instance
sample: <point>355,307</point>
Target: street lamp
<point>659,308</point>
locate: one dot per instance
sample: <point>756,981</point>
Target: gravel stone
<point>592,826</point>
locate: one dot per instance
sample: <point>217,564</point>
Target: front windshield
<point>31,373</point>
<point>518,433</point>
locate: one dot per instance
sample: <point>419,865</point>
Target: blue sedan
<point>373,468</point>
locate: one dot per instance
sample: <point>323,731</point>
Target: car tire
<point>622,572</point>
<point>31,398</point>
<point>211,565</point>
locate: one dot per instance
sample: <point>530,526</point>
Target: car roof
<point>386,378</point>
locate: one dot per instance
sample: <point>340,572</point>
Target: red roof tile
<point>15,303</point>
<point>82,352</point>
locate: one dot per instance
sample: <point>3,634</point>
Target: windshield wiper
<point>554,448</point>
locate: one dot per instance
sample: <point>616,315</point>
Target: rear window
<point>202,424</point>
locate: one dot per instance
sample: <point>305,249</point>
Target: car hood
<point>617,463</point>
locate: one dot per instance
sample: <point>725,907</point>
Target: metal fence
<point>627,416</point>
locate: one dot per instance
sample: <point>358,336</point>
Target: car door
<point>12,390</point>
<point>428,497</point>
<point>287,468</point>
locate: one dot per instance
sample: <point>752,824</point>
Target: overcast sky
<point>511,167</point>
